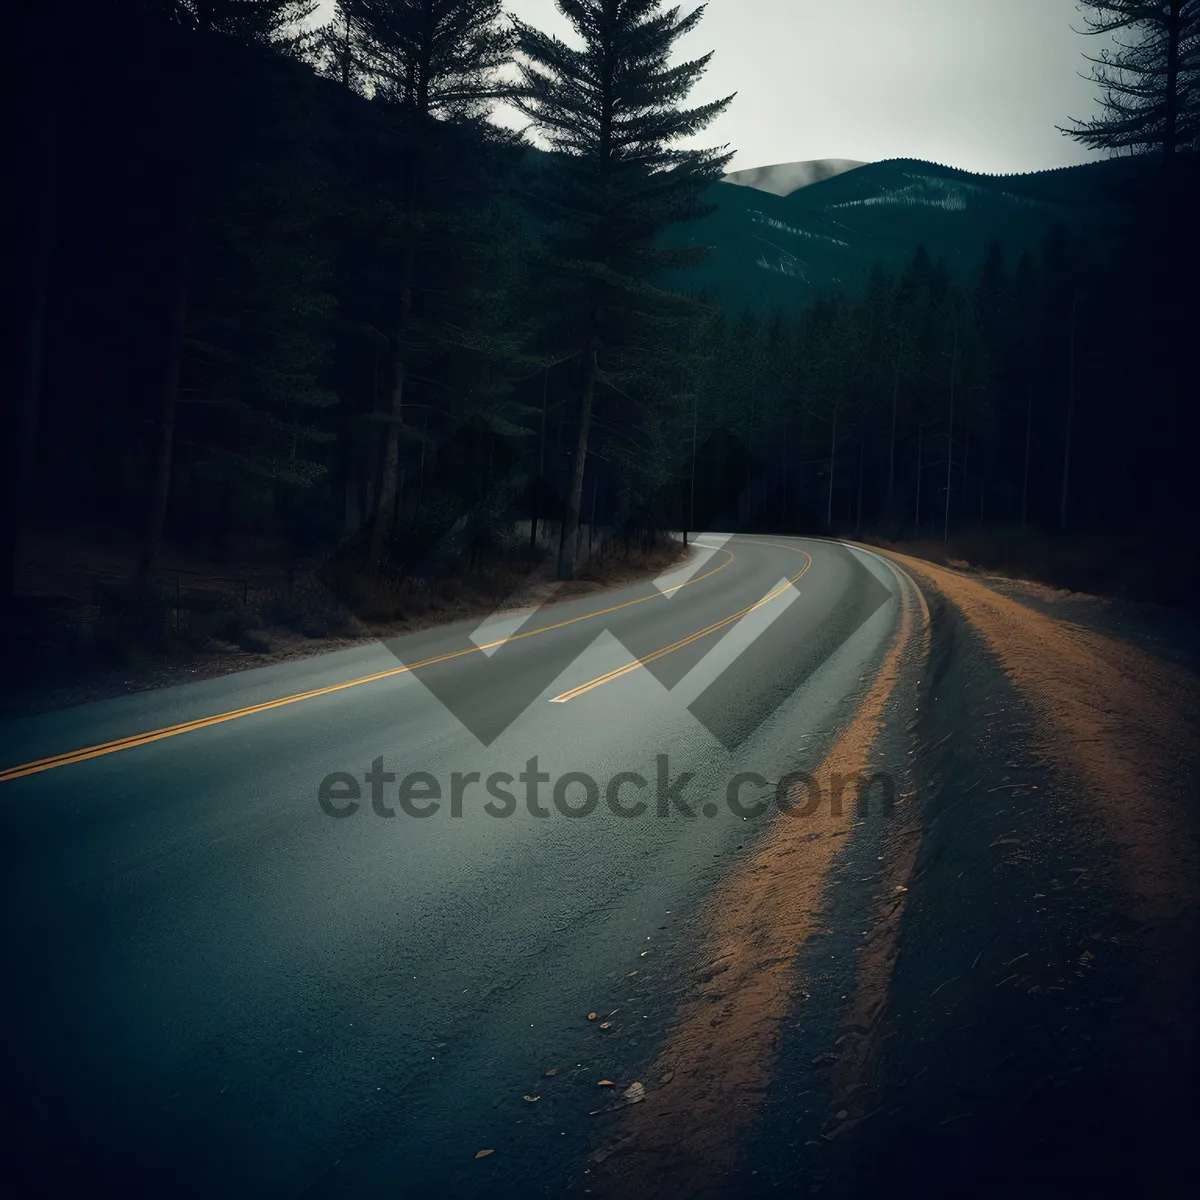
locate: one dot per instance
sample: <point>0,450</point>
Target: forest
<point>288,290</point>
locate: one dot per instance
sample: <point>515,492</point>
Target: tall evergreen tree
<point>437,62</point>
<point>1149,82</point>
<point>612,113</point>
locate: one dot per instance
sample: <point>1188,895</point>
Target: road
<point>230,974</point>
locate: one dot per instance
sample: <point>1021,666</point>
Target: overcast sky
<point>978,84</point>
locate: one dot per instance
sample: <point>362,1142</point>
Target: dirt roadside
<point>999,984</point>
<point>1038,1033</point>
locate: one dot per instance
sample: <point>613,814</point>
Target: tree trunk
<point>786,522</point>
<point>1171,114</point>
<point>966,454</point>
<point>832,449</point>
<point>23,447</point>
<point>345,52</point>
<point>165,450</point>
<point>536,498</point>
<point>386,500</point>
<point>892,446</point>
<point>983,474</point>
<point>692,482</point>
<point>1066,471</point>
<point>350,521</point>
<point>950,440</point>
<point>858,510</point>
<point>421,463</point>
<point>917,519</point>
<point>399,509</point>
<point>570,528</point>
<point>1025,479</point>
<point>592,522</point>
<point>1178,277</point>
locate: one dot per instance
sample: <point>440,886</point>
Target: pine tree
<point>611,111</point>
<point>1149,81</point>
<point>1151,103</point>
<point>433,58</point>
<point>437,64</point>
<point>279,23</point>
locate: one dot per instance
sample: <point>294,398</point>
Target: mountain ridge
<point>768,249</point>
<point>781,179</point>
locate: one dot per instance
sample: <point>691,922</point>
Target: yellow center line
<point>609,676</point>
<point>141,739</point>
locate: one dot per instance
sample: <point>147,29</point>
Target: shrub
<point>307,609</point>
<point>255,641</point>
<point>207,600</point>
<point>131,618</point>
<point>234,623</point>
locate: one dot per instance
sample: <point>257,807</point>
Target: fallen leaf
<point>634,1093</point>
<point>483,1153</point>
<point>606,1083</point>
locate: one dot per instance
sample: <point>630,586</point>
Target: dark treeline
<point>294,288</point>
<point>927,406</point>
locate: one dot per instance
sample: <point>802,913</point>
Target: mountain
<point>768,248</point>
<point>784,178</point>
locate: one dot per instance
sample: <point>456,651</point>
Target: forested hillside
<point>269,292</point>
<point>770,251</point>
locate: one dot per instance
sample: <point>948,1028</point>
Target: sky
<point>976,84</point>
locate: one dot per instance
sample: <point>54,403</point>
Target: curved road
<point>238,966</point>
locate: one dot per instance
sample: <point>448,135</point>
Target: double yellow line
<point>687,641</point>
<point>156,735</point>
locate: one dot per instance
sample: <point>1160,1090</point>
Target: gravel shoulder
<point>1039,1030</point>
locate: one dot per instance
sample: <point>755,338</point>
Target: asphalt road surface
<point>234,970</point>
